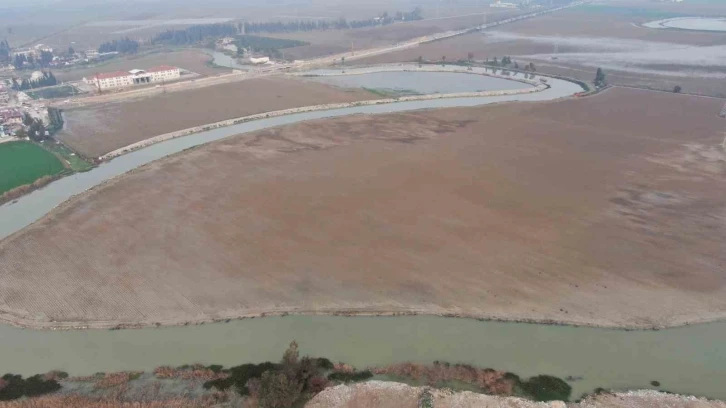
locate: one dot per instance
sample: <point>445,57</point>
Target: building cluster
<point>11,120</point>
<point>123,79</point>
<point>34,51</point>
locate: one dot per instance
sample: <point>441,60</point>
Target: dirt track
<point>577,211</point>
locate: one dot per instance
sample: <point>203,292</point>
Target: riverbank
<point>536,87</point>
<point>561,279</point>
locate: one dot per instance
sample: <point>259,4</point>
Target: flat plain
<point>606,210</point>
<point>99,129</point>
<point>575,42</point>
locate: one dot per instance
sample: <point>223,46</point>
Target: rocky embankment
<point>381,394</point>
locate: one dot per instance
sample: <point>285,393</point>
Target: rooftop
<point>161,68</point>
<point>107,75</point>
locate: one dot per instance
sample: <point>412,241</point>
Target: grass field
<point>62,91</point>
<point>22,163</point>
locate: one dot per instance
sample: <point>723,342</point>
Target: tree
<point>46,57</point>
<point>516,66</point>
<point>531,67</point>
<point>342,60</point>
<point>291,355</point>
<point>443,60</point>
<point>496,61</point>
<point>420,61</point>
<point>27,119</point>
<point>677,89</point>
<point>599,78</point>
<point>470,56</point>
<point>71,51</point>
<point>278,391</point>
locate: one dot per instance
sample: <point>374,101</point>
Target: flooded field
<point>421,82</point>
<point>691,23</point>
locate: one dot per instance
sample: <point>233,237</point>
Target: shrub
<point>15,387</point>
<point>239,375</point>
<point>655,383</point>
<point>546,388</point>
<point>216,368</point>
<point>324,363</point>
<point>350,377</point>
<point>278,391</point>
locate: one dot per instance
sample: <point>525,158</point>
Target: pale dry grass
<point>76,401</point>
<point>490,381</point>
<point>585,211</point>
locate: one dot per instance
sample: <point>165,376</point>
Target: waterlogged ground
<point>421,83</point>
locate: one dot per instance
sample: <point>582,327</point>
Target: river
<point>690,360</point>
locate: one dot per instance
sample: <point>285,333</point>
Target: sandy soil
<point>378,394</point>
<point>191,60</point>
<point>100,129</point>
<point>604,211</point>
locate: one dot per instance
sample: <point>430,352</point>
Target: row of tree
<point>194,34</point>
<point>48,79</point>
<point>29,61</point>
<point>4,52</point>
<point>340,24</point>
<point>123,46</point>
<point>34,129</point>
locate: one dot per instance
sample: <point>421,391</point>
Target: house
<point>122,79</point>
<point>11,116</point>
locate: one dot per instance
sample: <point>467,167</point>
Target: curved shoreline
<point>24,323</point>
<point>467,99</point>
<point>536,87</point>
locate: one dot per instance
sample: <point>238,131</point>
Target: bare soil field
<point>100,129</point>
<point>578,22</point>
<point>607,210</point>
<point>191,60</point>
<point>336,41</point>
<point>576,42</point>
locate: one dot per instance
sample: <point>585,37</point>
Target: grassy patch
<point>546,388</point>
<point>23,163</point>
<point>62,91</point>
<point>75,162</point>
<point>391,93</point>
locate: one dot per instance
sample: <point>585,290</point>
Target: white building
<point>261,60</point>
<point>122,79</point>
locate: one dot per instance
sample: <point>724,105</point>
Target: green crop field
<point>22,163</point>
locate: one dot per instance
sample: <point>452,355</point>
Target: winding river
<point>689,360</point>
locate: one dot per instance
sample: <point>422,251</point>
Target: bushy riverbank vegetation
<point>290,382</point>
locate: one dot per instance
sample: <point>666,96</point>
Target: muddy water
<point>690,360</point>
<point>691,23</point>
<point>422,83</point>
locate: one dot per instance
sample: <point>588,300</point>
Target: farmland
<point>22,163</point>
<point>575,211</point>
<point>128,122</point>
<point>577,41</point>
